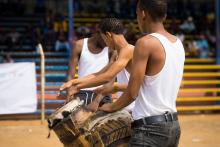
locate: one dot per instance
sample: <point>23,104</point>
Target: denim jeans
<point>164,134</point>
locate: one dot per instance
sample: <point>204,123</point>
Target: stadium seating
<point>200,86</point>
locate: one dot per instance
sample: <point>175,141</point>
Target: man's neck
<point>121,43</point>
<point>95,43</point>
<point>156,27</point>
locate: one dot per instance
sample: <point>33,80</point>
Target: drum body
<point>76,126</point>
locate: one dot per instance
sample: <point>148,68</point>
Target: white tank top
<point>158,93</point>
<point>91,63</point>
<point>123,78</point>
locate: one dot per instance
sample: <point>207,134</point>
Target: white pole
<point>42,66</point>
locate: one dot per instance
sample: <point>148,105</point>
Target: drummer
<point>112,33</point>
<point>90,55</point>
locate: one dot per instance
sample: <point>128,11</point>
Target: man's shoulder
<point>146,39</point>
<point>126,52</point>
<point>78,45</point>
<point>147,42</point>
<point>130,47</point>
<point>79,42</point>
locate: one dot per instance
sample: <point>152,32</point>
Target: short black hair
<point>113,25</point>
<point>157,9</point>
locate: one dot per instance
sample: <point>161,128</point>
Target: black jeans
<point>164,134</point>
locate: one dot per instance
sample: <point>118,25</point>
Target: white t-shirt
<point>158,93</point>
<point>90,63</point>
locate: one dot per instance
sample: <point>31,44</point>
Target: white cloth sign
<point>18,91</point>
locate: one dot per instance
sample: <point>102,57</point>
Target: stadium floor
<point>197,131</point>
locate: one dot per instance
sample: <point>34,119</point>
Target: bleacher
<point>199,91</point>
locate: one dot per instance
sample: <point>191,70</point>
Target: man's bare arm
<point>91,76</point>
<point>74,59</point>
<point>141,55</point>
<point>73,64</point>
<point>111,88</point>
<point>112,55</point>
<point>104,77</point>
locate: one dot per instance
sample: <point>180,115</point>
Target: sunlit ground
<point>197,131</point>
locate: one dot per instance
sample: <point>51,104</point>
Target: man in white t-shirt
<point>156,75</point>
<point>111,30</point>
<point>90,55</point>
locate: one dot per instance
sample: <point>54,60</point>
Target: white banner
<point>18,91</point>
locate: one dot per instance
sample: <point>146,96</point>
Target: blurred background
<point>57,24</point>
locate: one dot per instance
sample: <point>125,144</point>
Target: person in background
<point>203,46</point>
<point>188,26</point>
<point>8,59</point>
<point>61,42</point>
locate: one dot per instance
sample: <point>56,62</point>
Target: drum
<point>76,126</point>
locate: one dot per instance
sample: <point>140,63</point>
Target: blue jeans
<point>164,134</point>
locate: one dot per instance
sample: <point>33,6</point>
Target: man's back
<point>162,81</point>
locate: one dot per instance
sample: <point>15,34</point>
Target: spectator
<point>36,36</point>
<point>8,59</point>
<point>13,39</point>
<point>180,35</point>
<point>203,46</point>
<point>191,48</point>
<point>83,31</point>
<point>62,43</point>
<point>210,35</point>
<point>48,31</point>
<point>188,26</point>
<point>60,24</point>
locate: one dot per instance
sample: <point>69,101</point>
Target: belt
<point>166,117</point>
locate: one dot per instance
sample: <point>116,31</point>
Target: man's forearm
<point>119,87</point>
<point>91,81</point>
<point>71,74</point>
<point>72,69</point>
<point>122,102</point>
<point>98,98</point>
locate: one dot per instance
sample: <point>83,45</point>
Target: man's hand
<point>106,107</point>
<point>67,85</point>
<point>93,106</point>
<point>71,92</point>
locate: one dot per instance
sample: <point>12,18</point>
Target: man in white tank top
<point>155,79</point>
<point>112,33</point>
<point>90,55</point>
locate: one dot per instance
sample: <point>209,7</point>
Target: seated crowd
<point>197,33</point>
